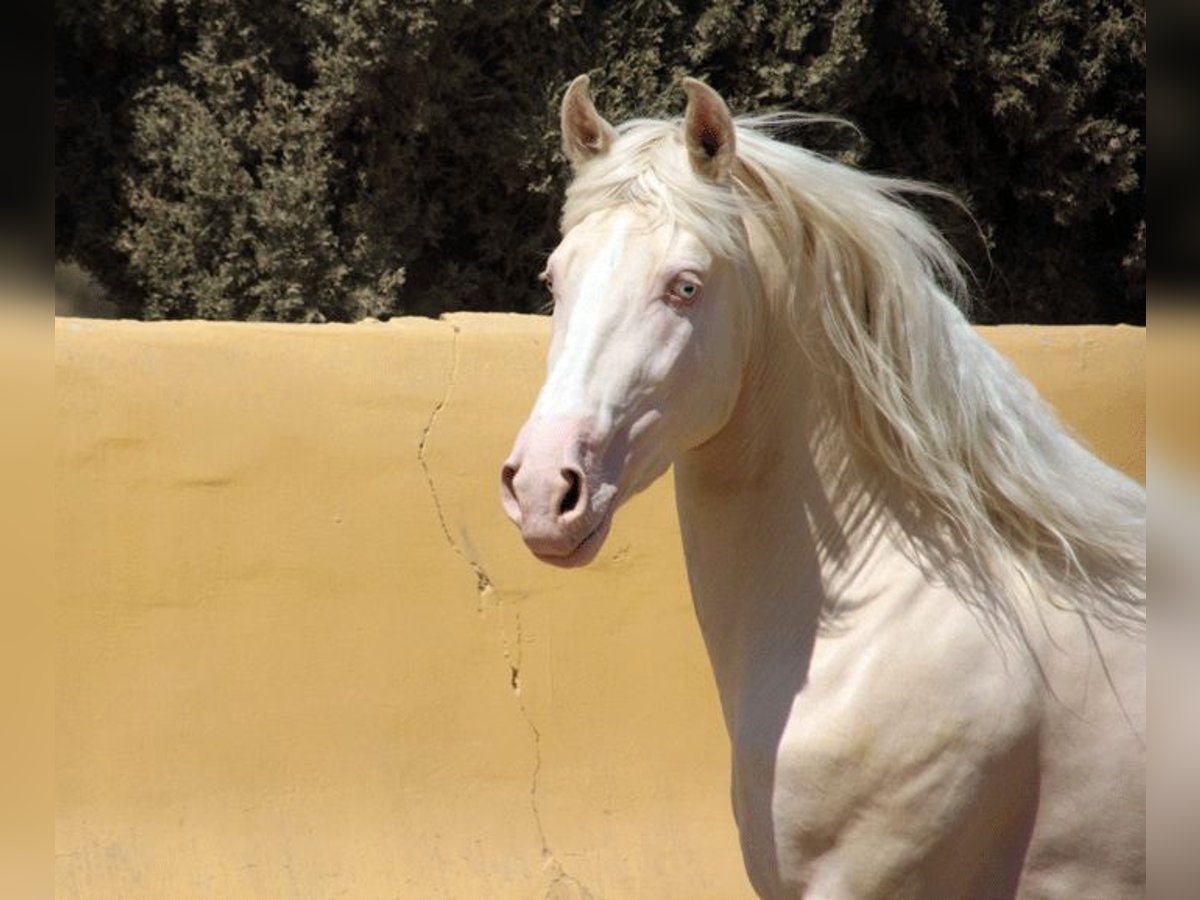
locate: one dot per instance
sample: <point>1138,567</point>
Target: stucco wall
<point>301,652</point>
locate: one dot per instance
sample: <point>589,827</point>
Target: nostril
<point>508,493</point>
<point>574,491</point>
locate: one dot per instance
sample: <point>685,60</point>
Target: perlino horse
<point>923,601</point>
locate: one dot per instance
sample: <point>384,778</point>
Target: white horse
<point>923,601</point>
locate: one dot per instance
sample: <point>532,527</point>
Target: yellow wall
<point>301,652</point>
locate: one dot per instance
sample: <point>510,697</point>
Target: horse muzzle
<point>549,487</point>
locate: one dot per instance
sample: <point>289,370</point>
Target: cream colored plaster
<point>301,652</point>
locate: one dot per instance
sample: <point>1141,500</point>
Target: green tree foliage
<point>330,159</point>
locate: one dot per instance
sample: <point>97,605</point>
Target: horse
<point>922,599</point>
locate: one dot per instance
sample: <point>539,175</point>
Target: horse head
<point>649,336</point>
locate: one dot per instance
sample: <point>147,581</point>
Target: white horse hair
<point>875,508</point>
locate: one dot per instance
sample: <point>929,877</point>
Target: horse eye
<point>683,292</point>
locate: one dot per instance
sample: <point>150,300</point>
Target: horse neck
<point>760,523</point>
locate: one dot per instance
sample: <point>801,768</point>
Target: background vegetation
<point>320,160</point>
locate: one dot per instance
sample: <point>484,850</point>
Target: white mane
<point>873,290</point>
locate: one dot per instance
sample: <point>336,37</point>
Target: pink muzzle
<point>545,490</point>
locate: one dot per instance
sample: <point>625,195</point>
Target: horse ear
<point>708,131</point>
<point>585,135</point>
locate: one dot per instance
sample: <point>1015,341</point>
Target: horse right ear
<point>585,135</point>
<point>708,131</point>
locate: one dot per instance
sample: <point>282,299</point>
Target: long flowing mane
<point>873,289</point>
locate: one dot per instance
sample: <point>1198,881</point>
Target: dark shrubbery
<point>331,159</point>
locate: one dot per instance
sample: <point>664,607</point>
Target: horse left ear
<point>708,131</point>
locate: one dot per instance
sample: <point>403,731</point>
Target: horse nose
<point>562,500</point>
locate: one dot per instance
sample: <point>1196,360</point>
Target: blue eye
<point>683,291</point>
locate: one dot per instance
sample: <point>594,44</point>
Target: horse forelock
<point>875,291</point>
<point>647,167</point>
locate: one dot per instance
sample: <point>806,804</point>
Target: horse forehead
<point>641,240</point>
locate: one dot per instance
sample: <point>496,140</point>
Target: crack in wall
<point>482,580</point>
<point>486,591</point>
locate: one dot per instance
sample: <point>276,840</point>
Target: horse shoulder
<point>908,765</point>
